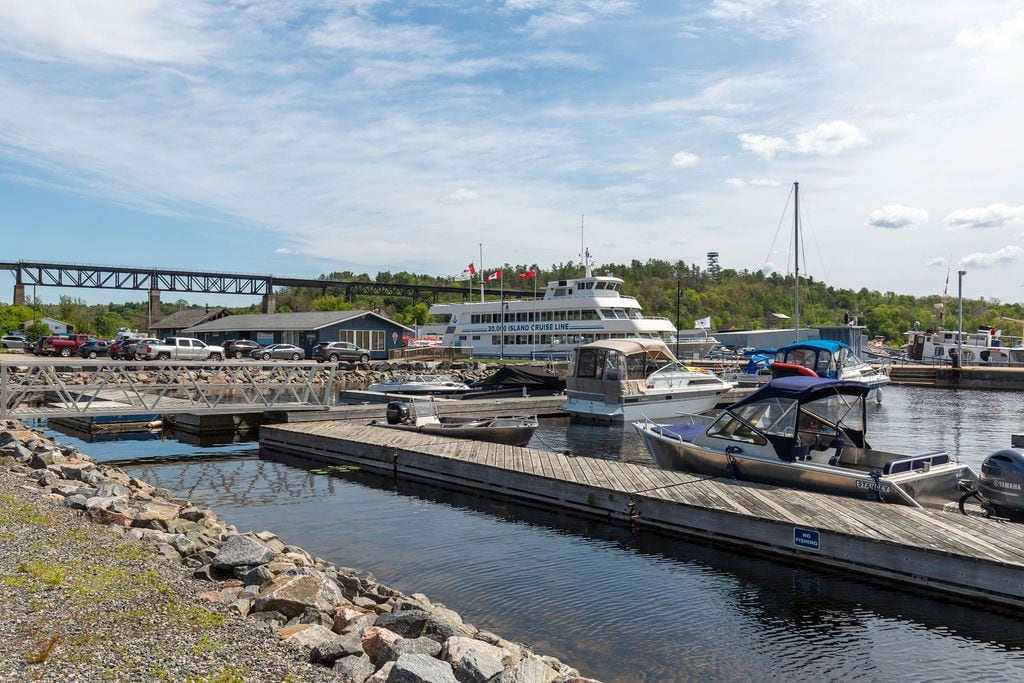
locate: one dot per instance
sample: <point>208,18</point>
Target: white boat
<point>688,346</point>
<point>984,347</point>
<point>829,359</point>
<point>421,385</point>
<point>572,312</point>
<point>622,380</point>
<point>420,415</point>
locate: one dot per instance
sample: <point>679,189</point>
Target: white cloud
<point>284,250</point>
<point>734,182</point>
<point>897,216</point>
<point>991,216</point>
<point>1008,35</point>
<point>762,145</point>
<point>768,268</point>
<point>462,195</point>
<point>937,262</point>
<point>1006,255</point>
<point>830,138</point>
<point>684,159</point>
<point>764,182</point>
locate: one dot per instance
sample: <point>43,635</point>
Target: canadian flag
<point>496,275</point>
<point>529,273</point>
<point>470,269</point>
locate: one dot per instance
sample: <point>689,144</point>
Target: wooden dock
<point>948,552</point>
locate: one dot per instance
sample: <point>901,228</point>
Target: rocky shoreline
<point>104,577</point>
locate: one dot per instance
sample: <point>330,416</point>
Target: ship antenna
<point>584,252</point>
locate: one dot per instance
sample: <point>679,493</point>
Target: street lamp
<point>678,293</point>
<point>959,314</point>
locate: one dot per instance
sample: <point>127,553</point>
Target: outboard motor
<point>1001,485</point>
<point>397,413</point>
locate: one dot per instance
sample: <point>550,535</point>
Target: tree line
<point>681,292</point>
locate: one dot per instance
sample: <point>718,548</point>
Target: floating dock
<point>966,556</point>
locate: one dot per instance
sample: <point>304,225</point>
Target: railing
<point>57,388</point>
<point>431,353</point>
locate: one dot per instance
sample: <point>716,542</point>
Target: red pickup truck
<point>66,345</point>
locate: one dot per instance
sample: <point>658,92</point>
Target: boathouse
<point>368,329</point>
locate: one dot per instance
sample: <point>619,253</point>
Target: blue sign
<point>806,538</point>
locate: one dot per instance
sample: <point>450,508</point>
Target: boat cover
<point>520,376</point>
<point>803,388</point>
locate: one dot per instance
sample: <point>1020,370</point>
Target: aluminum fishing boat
<point>420,415</point>
<point>807,433</point>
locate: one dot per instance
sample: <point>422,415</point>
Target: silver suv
<point>335,351</point>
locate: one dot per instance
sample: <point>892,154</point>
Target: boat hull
<point>586,406</point>
<point>935,487</point>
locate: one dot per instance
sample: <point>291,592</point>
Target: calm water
<point>621,606</point>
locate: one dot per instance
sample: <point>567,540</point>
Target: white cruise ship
<point>573,312</point>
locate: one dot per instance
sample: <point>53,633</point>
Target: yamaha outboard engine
<point>397,413</point>
<point>1001,485</point>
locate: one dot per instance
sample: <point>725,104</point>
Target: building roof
<point>187,317</point>
<point>274,322</point>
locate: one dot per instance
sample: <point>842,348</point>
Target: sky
<point>301,138</point>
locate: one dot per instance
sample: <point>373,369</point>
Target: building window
<point>372,340</point>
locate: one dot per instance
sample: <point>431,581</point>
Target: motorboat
<point>621,380</point>
<point>807,433</point>
<point>756,372</point>
<point>419,385</point>
<point>829,359</point>
<point>420,415</point>
<point>516,380</point>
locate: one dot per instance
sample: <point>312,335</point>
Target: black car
<point>239,348</point>
<point>339,350</point>
<point>93,349</point>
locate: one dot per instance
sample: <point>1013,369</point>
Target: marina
<point>645,605</point>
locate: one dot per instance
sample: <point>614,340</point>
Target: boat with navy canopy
<point>807,433</point>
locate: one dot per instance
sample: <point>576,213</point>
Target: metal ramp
<point>57,388</point>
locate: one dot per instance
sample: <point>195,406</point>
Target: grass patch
<point>13,512</point>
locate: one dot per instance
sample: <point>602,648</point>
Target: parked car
<point>180,348</point>
<point>94,349</point>
<point>279,352</point>
<point>339,350</point>
<point>13,342</point>
<point>67,345</point>
<point>130,347</point>
<point>239,348</point>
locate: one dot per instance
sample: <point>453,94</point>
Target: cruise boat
<point>571,313</point>
<point>622,380</point>
<point>984,347</point>
<point>808,433</point>
<point>830,359</point>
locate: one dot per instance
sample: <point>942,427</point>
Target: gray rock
<point>354,669</point>
<point>343,646</point>
<point>528,670</point>
<point>291,595</point>
<point>420,646</point>
<point>417,668</point>
<point>476,667</point>
<point>239,551</point>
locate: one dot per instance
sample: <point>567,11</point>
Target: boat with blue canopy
<point>829,359</point>
<point>807,433</point>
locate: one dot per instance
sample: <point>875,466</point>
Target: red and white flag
<point>496,275</point>
<point>470,269</point>
<point>529,273</point>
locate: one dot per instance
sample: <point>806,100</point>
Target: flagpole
<point>501,308</point>
<point>482,271</point>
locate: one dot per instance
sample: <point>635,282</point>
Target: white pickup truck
<point>180,348</point>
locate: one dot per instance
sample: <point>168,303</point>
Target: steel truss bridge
<point>55,388</point>
<point>29,273</point>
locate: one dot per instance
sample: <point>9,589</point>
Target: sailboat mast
<point>796,260</point>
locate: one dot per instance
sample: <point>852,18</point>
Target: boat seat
<point>683,432</point>
<point>915,462</point>
<point>837,444</point>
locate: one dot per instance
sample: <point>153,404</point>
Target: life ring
<point>790,369</point>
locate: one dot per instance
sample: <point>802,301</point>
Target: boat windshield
<point>777,416</point>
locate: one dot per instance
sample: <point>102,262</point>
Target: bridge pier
<point>269,303</point>
<point>19,294</point>
<point>154,306</point>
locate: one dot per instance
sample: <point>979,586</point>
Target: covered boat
<point>420,415</point>
<point>621,380</point>
<point>807,433</point>
<point>829,359</point>
<point>517,380</point>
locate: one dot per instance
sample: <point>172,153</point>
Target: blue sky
<point>300,138</point>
